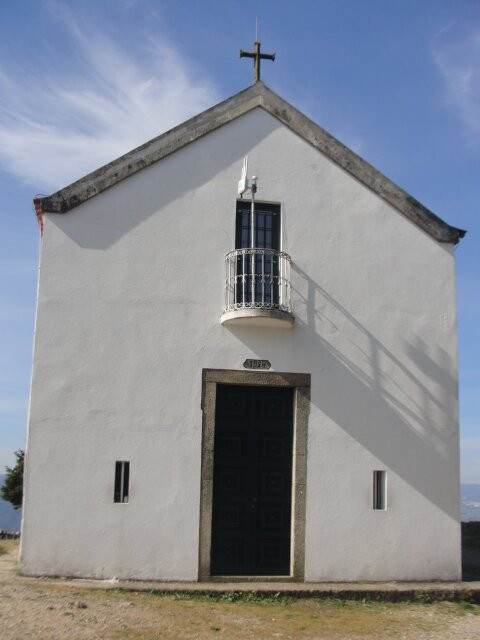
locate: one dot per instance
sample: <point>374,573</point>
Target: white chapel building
<point>213,398</point>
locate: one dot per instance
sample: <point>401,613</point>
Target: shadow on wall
<point>393,410</point>
<point>110,215</point>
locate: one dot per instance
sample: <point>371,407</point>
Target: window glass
<point>267,225</point>
<point>122,480</point>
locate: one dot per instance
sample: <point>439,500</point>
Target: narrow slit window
<point>380,490</point>
<point>122,479</point>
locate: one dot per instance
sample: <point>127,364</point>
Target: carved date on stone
<point>256,364</point>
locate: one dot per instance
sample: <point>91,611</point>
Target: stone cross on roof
<point>257,56</point>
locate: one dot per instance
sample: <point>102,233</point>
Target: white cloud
<point>457,56</point>
<point>59,125</point>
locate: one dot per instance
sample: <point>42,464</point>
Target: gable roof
<point>258,95</point>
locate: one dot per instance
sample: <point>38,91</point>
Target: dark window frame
<point>380,490</point>
<point>267,225</point>
<point>267,236</point>
<point>122,482</point>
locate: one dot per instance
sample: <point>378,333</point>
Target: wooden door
<point>252,481</point>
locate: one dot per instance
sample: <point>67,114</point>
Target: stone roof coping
<point>258,95</point>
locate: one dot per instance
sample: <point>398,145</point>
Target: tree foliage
<point>12,488</point>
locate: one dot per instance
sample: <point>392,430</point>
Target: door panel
<point>252,481</point>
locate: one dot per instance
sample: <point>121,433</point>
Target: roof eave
<point>258,95</point>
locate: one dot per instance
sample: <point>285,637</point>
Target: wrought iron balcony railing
<point>257,279</point>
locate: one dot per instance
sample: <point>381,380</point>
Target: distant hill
<point>470,502</point>
<point>9,517</point>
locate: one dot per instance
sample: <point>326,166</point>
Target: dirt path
<point>56,610</point>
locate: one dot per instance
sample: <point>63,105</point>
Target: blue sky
<point>84,81</point>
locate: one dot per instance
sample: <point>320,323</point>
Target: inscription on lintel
<point>256,364</point>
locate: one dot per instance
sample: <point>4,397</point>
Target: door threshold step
<point>381,591</point>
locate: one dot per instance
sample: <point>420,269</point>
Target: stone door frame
<point>300,382</point>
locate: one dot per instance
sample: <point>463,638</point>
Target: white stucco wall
<point>130,296</point>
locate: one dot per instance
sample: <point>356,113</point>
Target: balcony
<point>257,288</point>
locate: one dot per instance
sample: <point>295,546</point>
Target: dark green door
<point>252,481</point>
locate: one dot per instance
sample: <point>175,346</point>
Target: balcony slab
<point>273,318</point>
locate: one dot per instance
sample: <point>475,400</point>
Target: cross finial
<point>257,56</point>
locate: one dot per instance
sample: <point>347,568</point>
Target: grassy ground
<point>57,610</point>
<point>116,615</point>
<point>287,618</point>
